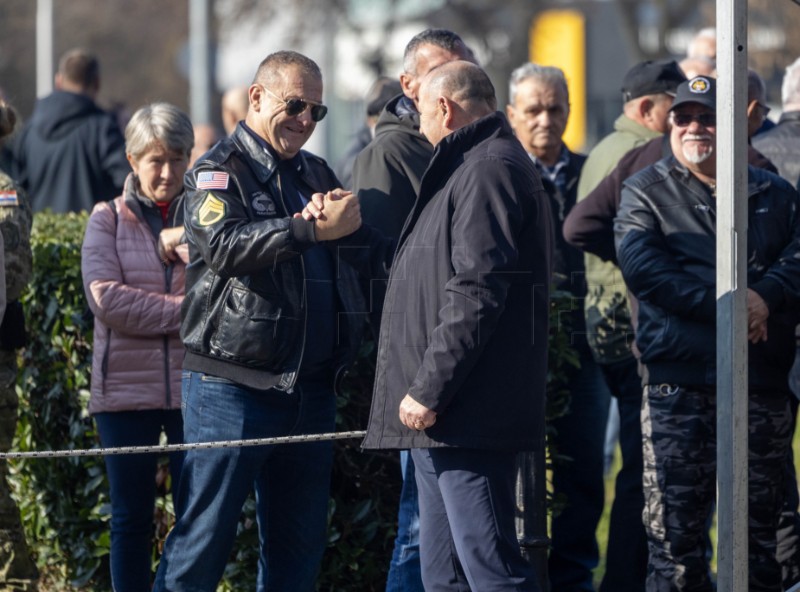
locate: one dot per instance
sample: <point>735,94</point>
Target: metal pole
<point>44,47</point>
<point>732,417</point>
<point>200,61</point>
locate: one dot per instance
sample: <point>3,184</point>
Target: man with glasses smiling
<point>258,281</point>
<point>666,248</point>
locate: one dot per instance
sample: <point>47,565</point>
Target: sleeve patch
<point>9,198</point>
<point>212,210</point>
<point>212,180</point>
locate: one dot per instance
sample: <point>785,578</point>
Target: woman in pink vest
<point>133,265</point>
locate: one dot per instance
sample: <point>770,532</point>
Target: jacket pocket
<point>254,330</point>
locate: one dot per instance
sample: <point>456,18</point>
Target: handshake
<point>335,214</point>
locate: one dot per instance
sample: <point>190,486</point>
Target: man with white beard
<point>665,235</point>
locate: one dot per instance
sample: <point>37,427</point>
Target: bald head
<point>694,67</point>
<point>454,95</point>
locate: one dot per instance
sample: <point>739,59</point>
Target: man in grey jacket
<point>781,144</point>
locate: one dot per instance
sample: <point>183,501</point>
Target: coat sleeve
<point>487,221</point>
<point>232,244</point>
<point>386,186</point>
<point>648,267</point>
<point>590,224</point>
<point>120,306</point>
<point>779,286</point>
<point>2,277</point>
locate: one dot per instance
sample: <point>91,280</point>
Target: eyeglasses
<point>764,109</point>
<point>704,119</point>
<point>296,106</point>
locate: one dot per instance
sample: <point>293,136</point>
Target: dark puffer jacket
<point>666,246</point>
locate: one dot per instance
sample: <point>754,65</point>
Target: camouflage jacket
<point>15,225</point>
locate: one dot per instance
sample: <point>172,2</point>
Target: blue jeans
<point>404,570</point>
<point>132,480</point>
<point>578,480</point>
<point>292,484</point>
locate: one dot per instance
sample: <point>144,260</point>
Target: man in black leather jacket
<point>258,283</point>
<point>666,248</point>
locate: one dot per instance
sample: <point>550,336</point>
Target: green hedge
<point>64,503</point>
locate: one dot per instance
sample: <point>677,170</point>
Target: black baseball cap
<point>700,89</point>
<point>652,77</point>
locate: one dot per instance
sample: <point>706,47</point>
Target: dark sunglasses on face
<point>296,106</point>
<point>704,119</point>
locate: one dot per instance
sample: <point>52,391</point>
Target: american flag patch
<point>211,180</point>
<point>8,198</point>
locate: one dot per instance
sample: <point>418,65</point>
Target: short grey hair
<point>790,89</point>
<point>442,38</point>
<point>547,74</point>
<point>159,123</point>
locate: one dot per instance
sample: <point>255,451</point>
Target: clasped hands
<point>335,214</point>
<point>757,314</point>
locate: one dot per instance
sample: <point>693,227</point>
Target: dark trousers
<point>468,538</point>
<point>578,480</point>
<point>626,553</point>
<point>132,479</point>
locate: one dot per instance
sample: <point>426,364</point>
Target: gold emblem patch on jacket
<point>212,210</point>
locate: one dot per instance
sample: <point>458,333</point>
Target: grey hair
<point>159,123</point>
<point>547,74</point>
<point>790,89</point>
<point>438,37</point>
<point>692,50</point>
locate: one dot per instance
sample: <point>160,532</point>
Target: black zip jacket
<point>244,316</point>
<point>666,246</point>
<point>464,329</point>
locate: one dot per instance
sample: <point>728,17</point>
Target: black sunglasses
<point>296,106</point>
<point>704,119</point>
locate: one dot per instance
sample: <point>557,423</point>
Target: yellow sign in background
<point>558,38</point>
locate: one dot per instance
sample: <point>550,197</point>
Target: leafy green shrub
<point>64,503</point>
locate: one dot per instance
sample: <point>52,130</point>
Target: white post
<point>199,61</point>
<point>732,572</point>
<point>44,47</point>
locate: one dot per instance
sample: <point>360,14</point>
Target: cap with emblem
<point>652,77</point>
<point>700,89</point>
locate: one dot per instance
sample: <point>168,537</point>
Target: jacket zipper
<point>290,385</point>
<point>165,338</point>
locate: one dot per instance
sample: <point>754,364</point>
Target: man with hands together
<point>665,234</point>
<point>270,320</point>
